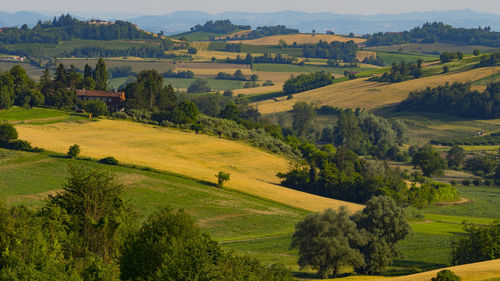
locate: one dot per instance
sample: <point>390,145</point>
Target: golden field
<point>253,171</point>
<point>480,271</point>
<point>300,39</point>
<point>366,94</point>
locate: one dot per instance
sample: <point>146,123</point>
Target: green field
<point>273,67</point>
<point>434,49</point>
<point>197,36</point>
<point>390,58</point>
<point>22,114</point>
<point>487,80</point>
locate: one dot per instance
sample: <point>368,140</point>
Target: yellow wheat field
<point>480,271</point>
<point>200,156</point>
<point>361,55</point>
<point>300,39</point>
<point>369,95</point>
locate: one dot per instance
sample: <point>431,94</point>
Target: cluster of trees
<point>456,99</point>
<point>367,241</point>
<point>235,48</point>
<point>481,243</point>
<point>374,61</point>
<point>199,86</point>
<point>489,60</point>
<point>121,71</point>
<point>447,56</point>
<point>66,28</point>
<point>345,51</point>
<point>9,139</point>
<point>401,72</point>
<point>220,26</point>
<point>263,31</point>
<point>306,82</point>
<point>367,134</point>
<point>17,88</point>
<point>88,232</point>
<point>437,32</point>
<point>151,51</point>
<point>266,58</point>
<point>179,74</point>
<point>238,75</point>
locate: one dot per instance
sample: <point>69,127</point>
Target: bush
<point>120,115</point>
<point>221,178</point>
<point>73,151</point>
<point>20,145</point>
<point>476,182</point>
<point>466,182</point>
<point>7,133</point>
<point>96,107</point>
<point>192,50</point>
<point>446,275</point>
<point>110,160</point>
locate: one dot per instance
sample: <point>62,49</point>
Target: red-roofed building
<point>114,100</point>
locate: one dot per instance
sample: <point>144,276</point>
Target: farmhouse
<point>114,100</point>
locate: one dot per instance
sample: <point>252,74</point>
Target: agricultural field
<point>299,39</point>
<point>435,48</point>
<point>392,57</point>
<point>33,71</point>
<point>252,171</point>
<point>273,67</point>
<point>366,94</point>
<point>137,64</point>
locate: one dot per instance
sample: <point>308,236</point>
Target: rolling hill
<point>252,170</point>
<point>367,94</point>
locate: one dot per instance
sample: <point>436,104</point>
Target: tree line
<point>345,51</point>
<point>305,82</point>
<point>437,32</point>
<point>220,27</point>
<point>456,99</point>
<point>263,31</point>
<point>401,72</point>
<point>266,58</point>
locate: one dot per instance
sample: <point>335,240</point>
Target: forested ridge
<point>66,28</point>
<point>437,32</point>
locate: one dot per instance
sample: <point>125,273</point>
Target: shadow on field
<point>405,267</point>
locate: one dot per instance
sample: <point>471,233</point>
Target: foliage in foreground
<point>88,232</point>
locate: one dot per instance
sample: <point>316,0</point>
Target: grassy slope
<point>227,215</point>
<point>369,95</point>
<point>252,170</point>
<point>270,67</point>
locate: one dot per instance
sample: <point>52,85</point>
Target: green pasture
<point>273,67</point>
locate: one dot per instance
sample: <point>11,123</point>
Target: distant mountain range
<point>182,21</point>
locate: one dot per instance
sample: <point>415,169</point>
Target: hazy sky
<point>213,6</point>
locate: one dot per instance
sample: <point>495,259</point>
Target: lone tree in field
<point>73,151</point>
<point>7,133</point>
<point>385,224</point>
<point>446,275</point>
<point>328,241</point>
<point>222,177</point>
<point>455,157</point>
<point>429,160</point>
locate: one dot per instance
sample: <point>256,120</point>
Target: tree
<point>303,115</point>
<point>73,151</point>
<point>455,157</point>
<point>185,112</point>
<point>446,275</point>
<point>481,243</point>
<point>96,107</point>
<point>476,52</point>
<point>429,161</point>
<point>386,225</point>
<point>446,69</point>
<point>7,133</point>
<point>199,86</point>
<point>328,241</point>
<point>254,77</point>
<point>222,177</point>
<point>231,112</point>
<point>97,211</point>
<point>101,75</point>
<point>238,75</point>
<point>192,50</point>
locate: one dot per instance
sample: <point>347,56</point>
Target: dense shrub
<point>110,160</point>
